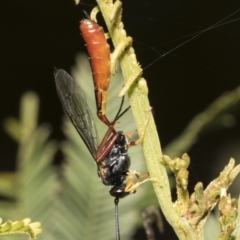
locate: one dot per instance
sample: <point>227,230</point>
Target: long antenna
<point>116,200</point>
<point>119,113</point>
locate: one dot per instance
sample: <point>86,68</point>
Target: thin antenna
<point>86,14</point>
<point>116,200</point>
<point>119,114</point>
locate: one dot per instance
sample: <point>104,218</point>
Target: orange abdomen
<point>99,53</point>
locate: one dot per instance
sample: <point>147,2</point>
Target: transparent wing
<point>74,101</point>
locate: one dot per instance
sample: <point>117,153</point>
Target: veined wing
<point>74,102</point>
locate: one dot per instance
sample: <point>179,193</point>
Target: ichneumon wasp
<point>111,155</point>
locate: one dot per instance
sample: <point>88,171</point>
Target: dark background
<point>38,35</point>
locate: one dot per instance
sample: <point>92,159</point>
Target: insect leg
<point>119,113</point>
<point>136,142</point>
<point>130,185</point>
<point>107,144</point>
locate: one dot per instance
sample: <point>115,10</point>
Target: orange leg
<point>130,185</point>
<point>140,139</point>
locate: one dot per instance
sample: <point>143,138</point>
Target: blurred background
<point>38,35</point>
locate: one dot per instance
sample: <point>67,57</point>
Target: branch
<point>189,213</point>
<point>138,92</point>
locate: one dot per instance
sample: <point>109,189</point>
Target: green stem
<point>140,106</point>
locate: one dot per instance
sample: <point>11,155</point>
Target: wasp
<point>111,155</point>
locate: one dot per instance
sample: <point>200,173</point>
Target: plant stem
<point>140,106</point>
